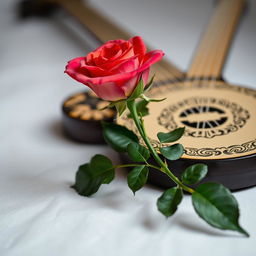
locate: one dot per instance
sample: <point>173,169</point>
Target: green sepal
<point>117,136</point>
<point>215,204</point>
<point>168,202</point>
<point>157,100</point>
<point>194,173</point>
<point>143,96</point>
<point>137,178</point>
<point>120,107</point>
<point>137,152</point>
<point>137,91</point>
<point>149,84</point>
<point>172,152</point>
<point>171,136</point>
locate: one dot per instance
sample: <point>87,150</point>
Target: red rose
<point>112,71</point>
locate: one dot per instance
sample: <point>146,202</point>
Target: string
<point>216,60</point>
<point>212,41</point>
<point>207,50</point>
<point>208,67</point>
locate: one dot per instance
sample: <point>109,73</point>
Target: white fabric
<point>39,214</point>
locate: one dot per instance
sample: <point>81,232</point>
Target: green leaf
<point>170,136</point>
<point>118,137</point>
<point>173,152</point>
<point>217,206</point>
<point>137,152</point>
<point>86,184</point>
<point>168,202</point>
<point>194,173</point>
<point>102,167</point>
<point>120,107</point>
<point>137,177</point>
<point>90,176</point>
<point>137,91</point>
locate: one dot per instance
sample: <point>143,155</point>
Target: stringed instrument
<point>219,118</point>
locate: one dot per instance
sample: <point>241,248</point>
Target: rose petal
<point>96,71</point>
<point>101,60</point>
<point>126,66</point>
<point>111,64</point>
<point>127,50</point>
<point>118,41</point>
<point>139,47</point>
<point>145,76</point>
<point>130,85</point>
<point>128,53</point>
<point>93,71</point>
<point>110,51</point>
<point>75,63</point>
<point>74,66</point>
<point>108,91</point>
<point>150,59</point>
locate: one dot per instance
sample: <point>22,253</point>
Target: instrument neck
<point>213,48</point>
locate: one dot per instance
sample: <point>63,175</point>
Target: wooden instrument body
<point>219,118</point>
<point>220,129</point>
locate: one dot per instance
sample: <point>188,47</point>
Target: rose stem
<point>132,107</point>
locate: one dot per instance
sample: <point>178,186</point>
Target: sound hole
<point>203,117</point>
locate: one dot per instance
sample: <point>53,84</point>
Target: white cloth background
<point>39,214</point>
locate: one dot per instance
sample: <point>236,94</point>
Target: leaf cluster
<point>175,151</point>
<point>213,202</point>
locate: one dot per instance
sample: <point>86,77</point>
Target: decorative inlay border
<point>231,150</point>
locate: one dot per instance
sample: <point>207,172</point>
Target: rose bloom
<point>113,70</point>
